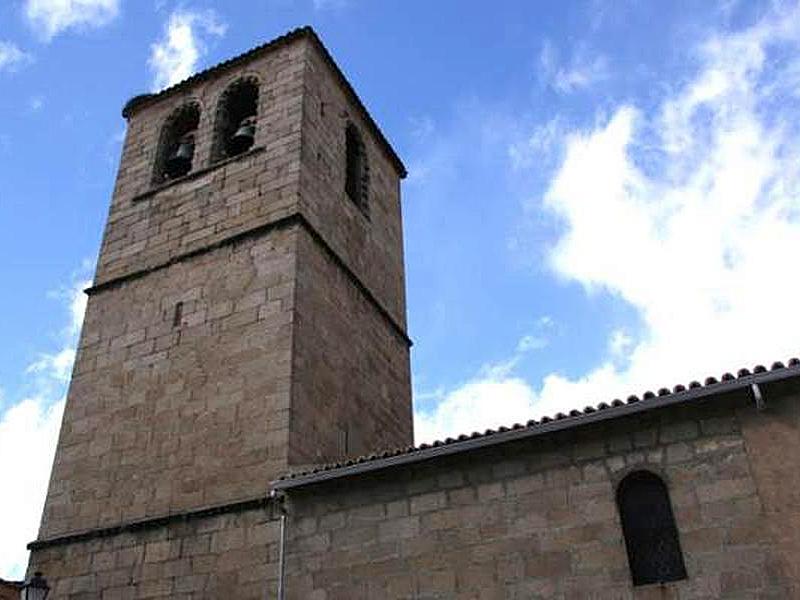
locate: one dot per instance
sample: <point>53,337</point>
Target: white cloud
<point>540,146</point>
<point>421,128</point>
<point>585,68</point>
<point>330,4</point>
<point>619,343</point>
<point>36,103</point>
<point>581,74</point>
<point>492,398</point>
<point>699,243</point>
<point>28,434</point>
<point>56,365</point>
<point>532,342</point>
<point>77,304</point>
<point>700,246</point>
<point>176,55</point>
<point>476,406</point>
<point>539,338</point>
<point>51,17</point>
<point>12,57</point>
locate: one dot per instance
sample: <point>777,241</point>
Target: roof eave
<point>702,393</point>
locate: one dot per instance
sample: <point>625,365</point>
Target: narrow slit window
<point>235,128</point>
<point>177,316</point>
<point>344,440</point>
<point>175,154</point>
<point>356,169</point>
<point>648,525</point>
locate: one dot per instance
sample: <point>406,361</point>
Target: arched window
<point>651,537</point>
<point>176,144</point>
<point>235,126</point>
<point>357,170</point>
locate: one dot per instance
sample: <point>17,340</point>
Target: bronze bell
<point>180,162</point>
<point>244,136</point>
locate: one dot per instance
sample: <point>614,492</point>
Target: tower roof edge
<point>307,32</point>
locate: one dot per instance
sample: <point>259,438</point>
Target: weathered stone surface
<point>250,318</point>
<point>554,532</point>
<point>245,318</point>
<point>236,558</point>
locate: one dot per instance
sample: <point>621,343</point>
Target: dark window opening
<point>175,152</point>
<point>648,524</point>
<point>178,314</point>
<point>235,128</point>
<point>357,172</point>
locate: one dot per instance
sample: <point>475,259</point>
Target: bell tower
<point>247,315</point>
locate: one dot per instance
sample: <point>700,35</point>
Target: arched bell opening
<point>175,154</point>
<point>235,127</point>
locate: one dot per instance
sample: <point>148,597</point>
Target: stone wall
<point>9,590</point>
<point>371,242</point>
<point>224,556</point>
<point>351,368</point>
<point>181,393</point>
<point>538,519</point>
<point>243,317</point>
<point>196,211</point>
<point>164,416</point>
<point>773,442</point>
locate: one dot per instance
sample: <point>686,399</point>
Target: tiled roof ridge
<point>306,31</point>
<point>709,383</point>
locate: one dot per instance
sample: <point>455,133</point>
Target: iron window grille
<point>648,525</point>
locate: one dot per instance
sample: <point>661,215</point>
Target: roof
<point>680,394</point>
<point>142,100</point>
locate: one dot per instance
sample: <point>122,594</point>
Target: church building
<point>239,420</point>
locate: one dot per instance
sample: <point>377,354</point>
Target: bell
<point>180,162</point>
<point>244,136</point>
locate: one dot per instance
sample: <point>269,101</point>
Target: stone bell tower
<point>247,315</point>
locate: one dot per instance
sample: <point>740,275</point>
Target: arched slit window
<point>175,152</point>
<point>651,536</point>
<point>357,170</point>
<point>235,127</point>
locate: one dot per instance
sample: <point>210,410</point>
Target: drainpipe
<point>757,396</point>
<point>282,545</point>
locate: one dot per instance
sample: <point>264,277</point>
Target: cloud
<point>36,103</point>
<point>487,402</point>
<point>56,365</point>
<point>619,343</point>
<point>28,434</point>
<point>538,339</point>
<point>176,55</point>
<point>540,146</point>
<point>330,4</point>
<point>421,128</point>
<point>581,74</point>
<point>532,342</point>
<point>492,398</point>
<point>689,213</point>
<point>585,69</point>
<point>12,57</point>
<point>51,17</point>
<point>696,242</point>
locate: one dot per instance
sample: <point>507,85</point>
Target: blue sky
<point>603,198</point>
